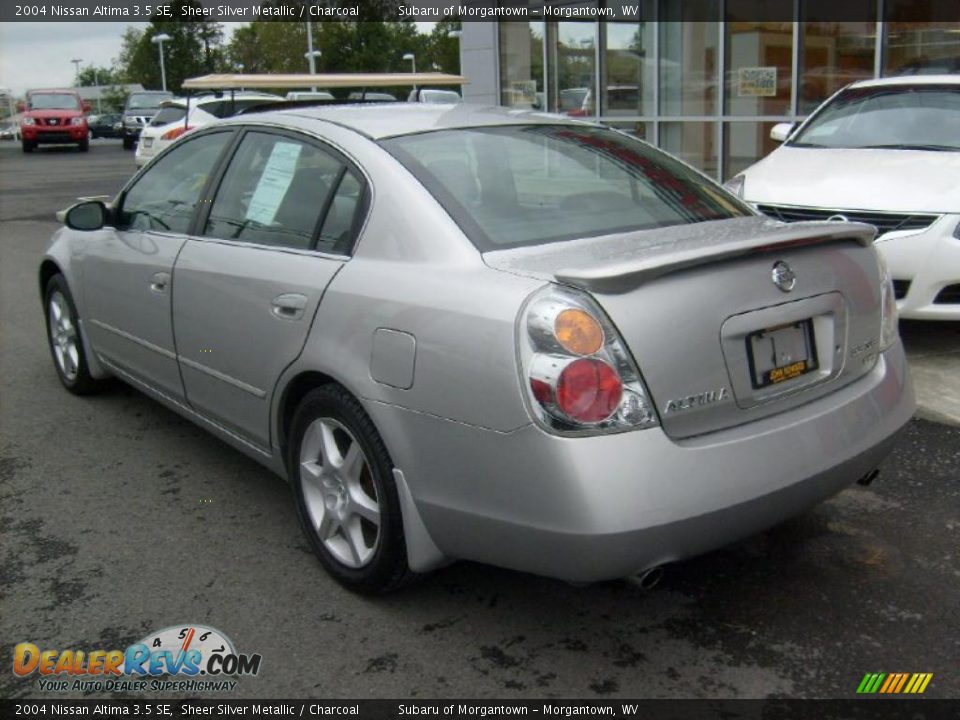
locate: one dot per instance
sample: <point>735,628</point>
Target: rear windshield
<point>168,115</point>
<point>147,102</point>
<point>533,184</point>
<point>54,101</point>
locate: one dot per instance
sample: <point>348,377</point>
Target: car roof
<point>902,80</point>
<point>377,121</point>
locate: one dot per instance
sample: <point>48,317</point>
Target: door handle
<point>159,282</point>
<point>289,306</point>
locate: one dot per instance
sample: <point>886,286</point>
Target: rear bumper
<point>145,154</point>
<point>588,509</point>
<point>930,262</point>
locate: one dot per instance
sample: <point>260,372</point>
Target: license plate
<point>147,142</point>
<point>781,353</point>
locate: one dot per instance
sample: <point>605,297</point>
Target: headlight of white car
<point>888,306</point>
<point>735,185</point>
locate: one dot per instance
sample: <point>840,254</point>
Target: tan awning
<point>329,80</point>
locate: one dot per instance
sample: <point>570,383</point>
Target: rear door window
<point>274,192</point>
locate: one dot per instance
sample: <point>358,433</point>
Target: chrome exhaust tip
<point>648,579</point>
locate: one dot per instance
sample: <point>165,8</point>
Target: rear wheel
<point>347,501</point>
<point>63,335</point>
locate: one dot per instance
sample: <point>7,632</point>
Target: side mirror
<point>88,215</point>
<point>781,131</point>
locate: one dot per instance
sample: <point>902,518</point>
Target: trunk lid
<point>717,342</point>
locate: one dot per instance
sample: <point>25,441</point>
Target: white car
<point>168,124</point>
<point>885,152</point>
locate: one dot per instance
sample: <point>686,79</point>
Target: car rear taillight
<point>576,369</point>
<point>176,132</point>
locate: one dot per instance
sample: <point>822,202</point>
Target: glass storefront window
<point>833,55</point>
<point>689,58</point>
<point>521,65</point>
<point>693,142</point>
<point>759,65</point>
<point>573,66</point>
<point>628,68</point>
<point>921,48</point>
<point>744,143</point>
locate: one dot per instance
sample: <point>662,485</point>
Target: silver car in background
<point>485,334</point>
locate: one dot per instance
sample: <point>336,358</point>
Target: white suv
<point>169,123</point>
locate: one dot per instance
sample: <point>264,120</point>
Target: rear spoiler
<point>704,247</point>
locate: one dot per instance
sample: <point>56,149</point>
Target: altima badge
<point>783,276</point>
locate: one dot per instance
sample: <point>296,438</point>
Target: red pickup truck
<point>54,117</point>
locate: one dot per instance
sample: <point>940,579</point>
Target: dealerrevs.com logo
<point>186,658</point>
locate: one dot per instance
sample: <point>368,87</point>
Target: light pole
<point>76,63</point>
<point>413,68</point>
<point>96,82</point>
<point>160,40</point>
<point>311,56</point>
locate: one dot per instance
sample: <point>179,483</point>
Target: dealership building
<point>699,79</point>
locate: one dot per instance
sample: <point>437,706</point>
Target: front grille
<point>55,122</point>
<point>900,289</point>
<point>884,222</point>
<point>950,295</point>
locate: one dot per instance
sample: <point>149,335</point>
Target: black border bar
<point>125,11</point>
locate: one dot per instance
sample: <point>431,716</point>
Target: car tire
<point>345,494</point>
<point>84,145</point>
<point>28,147</point>
<point>127,143</point>
<point>63,338</point>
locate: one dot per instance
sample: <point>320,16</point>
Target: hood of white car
<point>891,180</point>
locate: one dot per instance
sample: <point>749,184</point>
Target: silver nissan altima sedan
<point>485,334</point>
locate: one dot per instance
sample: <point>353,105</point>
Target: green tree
<point>92,76</point>
<point>194,49</point>
<point>444,50</point>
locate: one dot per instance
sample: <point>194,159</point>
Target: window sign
<point>274,182</point>
<point>524,92</point>
<point>757,81</point>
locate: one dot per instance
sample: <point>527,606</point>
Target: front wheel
<point>28,146</point>
<point>346,498</point>
<point>63,334</point>
<point>84,145</point>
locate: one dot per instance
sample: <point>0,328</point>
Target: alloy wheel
<point>339,492</point>
<point>63,336</point>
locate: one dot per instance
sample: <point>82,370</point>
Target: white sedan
<point>169,123</point>
<point>885,152</point>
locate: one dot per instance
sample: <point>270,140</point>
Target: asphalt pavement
<point>120,518</point>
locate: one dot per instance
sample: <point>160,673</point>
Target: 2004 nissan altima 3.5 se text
<point>475,333</point>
